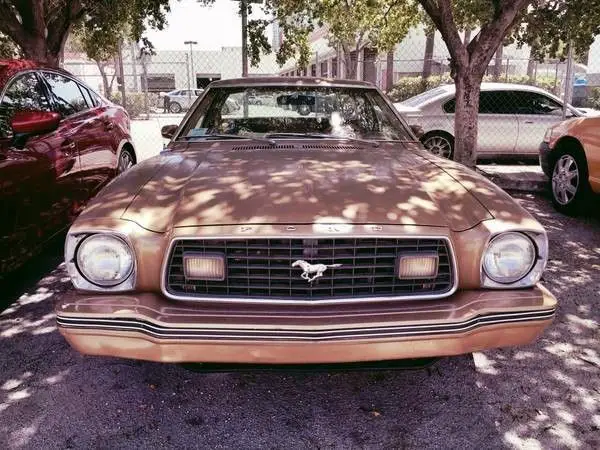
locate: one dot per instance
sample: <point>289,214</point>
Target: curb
<point>512,183</point>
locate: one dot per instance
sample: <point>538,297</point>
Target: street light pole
<point>244,11</point>
<point>191,44</point>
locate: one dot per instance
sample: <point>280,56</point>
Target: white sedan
<point>512,119</point>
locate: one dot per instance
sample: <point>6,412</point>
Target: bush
<point>135,102</point>
<point>593,100</point>
<point>408,87</point>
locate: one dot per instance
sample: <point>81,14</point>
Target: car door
<point>535,112</point>
<point>39,182</point>
<point>83,125</point>
<point>187,98</point>
<point>498,125</point>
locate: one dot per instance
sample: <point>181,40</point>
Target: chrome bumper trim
<point>282,334</point>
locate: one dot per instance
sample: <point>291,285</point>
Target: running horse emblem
<point>316,270</point>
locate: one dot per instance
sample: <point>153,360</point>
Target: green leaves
<point>548,26</point>
<point>381,23</point>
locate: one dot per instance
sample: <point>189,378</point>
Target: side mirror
<point>34,122</point>
<point>31,123</point>
<point>418,131</point>
<point>168,131</point>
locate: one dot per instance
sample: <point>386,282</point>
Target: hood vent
<point>343,147</point>
<point>243,148</point>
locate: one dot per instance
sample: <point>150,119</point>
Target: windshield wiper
<point>320,136</point>
<point>228,136</point>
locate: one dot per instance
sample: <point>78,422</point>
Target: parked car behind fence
<point>512,119</point>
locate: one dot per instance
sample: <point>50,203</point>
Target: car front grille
<point>261,269</point>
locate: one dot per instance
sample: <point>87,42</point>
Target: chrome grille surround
<point>265,283</point>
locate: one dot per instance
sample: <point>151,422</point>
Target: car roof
<point>488,86</point>
<point>289,81</point>
<point>10,67</point>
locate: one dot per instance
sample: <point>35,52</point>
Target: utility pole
<point>568,81</point>
<point>244,13</point>
<point>187,66</point>
<point>191,44</point>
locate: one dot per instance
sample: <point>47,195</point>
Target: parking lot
<point>543,396</point>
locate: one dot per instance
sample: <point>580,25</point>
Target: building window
<point>334,68</point>
<point>313,70</point>
<point>324,72</point>
<point>159,82</point>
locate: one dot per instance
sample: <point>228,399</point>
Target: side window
<point>87,96</point>
<point>540,104</point>
<point>24,93</point>
<point>500,102</point>
<point>66,94</point>
<point>450,106</point>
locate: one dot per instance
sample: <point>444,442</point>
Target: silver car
<point>182,99</point>
<point>513,119</point>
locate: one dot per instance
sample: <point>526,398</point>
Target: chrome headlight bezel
<point>80,281</point>
<point>533,276</point>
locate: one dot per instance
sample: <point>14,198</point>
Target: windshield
<point>418,100</point>
<point>336,112</point>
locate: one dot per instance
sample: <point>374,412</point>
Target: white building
<point>168,70</point>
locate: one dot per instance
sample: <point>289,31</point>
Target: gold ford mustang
<point>309,228</point>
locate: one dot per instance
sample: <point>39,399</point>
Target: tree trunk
<point>105,84</point>
<point>428,57</point>
<point>498,63</point>
<point>36,48</point>
<point>389,71</point>
<point>468,87</point>
<point>530,69</point>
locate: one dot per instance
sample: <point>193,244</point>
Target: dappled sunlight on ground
<point>546,395</point>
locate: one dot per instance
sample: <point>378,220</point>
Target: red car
<point>60,142</point>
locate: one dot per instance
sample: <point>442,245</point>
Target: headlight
<point>509,257</point>
<point>104,260</point>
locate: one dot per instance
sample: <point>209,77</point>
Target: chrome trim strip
<point>283,334</point>
<point>335,301</point>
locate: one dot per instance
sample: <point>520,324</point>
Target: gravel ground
<point>546,395</point>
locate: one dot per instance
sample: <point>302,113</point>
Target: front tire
<point>175,107</point>
<point>440,144</point>
<point>126,160</point>
<point>569,182</point>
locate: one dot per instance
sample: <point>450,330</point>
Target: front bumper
<point>545,158</point>
<point>150,327</point>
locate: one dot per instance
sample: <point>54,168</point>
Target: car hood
<point>304,183</point>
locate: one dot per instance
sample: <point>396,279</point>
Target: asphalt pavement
<point>546,395</point>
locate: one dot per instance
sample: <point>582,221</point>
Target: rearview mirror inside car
<point>168,131</point>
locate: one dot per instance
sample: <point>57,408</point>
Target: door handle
<point>529,121</point>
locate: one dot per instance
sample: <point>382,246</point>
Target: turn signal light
<point>421,265</point>
<point>204,267</point>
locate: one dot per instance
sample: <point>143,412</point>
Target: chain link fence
<point>160,88</point>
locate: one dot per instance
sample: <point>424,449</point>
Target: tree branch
<point>10,25</point>
<point>442,16</point>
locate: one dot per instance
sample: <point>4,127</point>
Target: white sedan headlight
<point>100,262</point>
<point>514,259</point>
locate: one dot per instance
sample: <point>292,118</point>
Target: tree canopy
<point>350,25</point>
<point>40,27</point>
